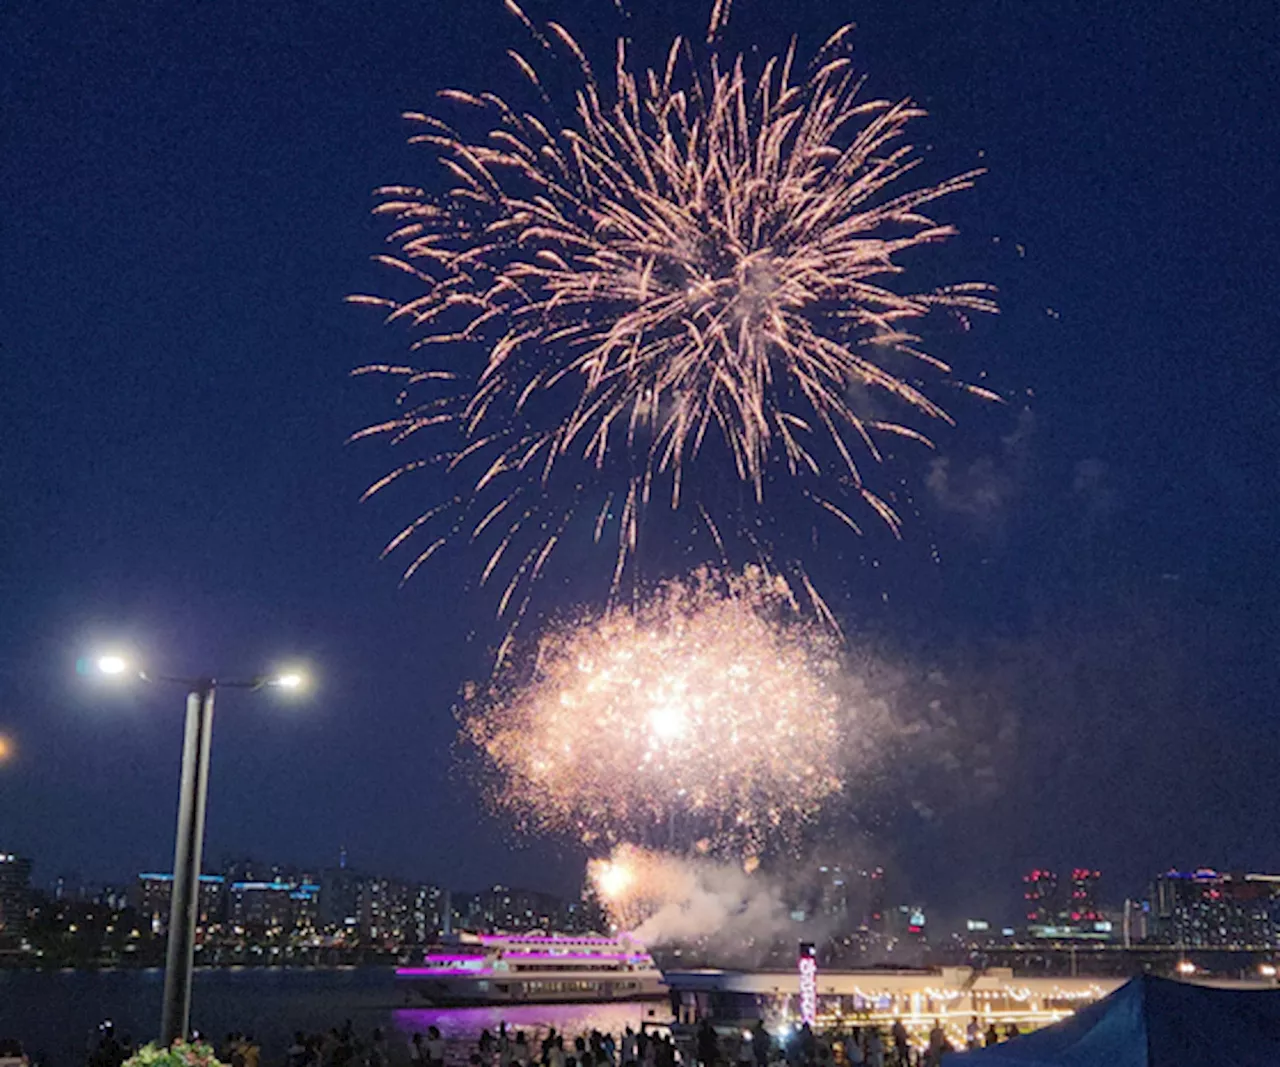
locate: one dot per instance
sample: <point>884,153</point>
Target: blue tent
<point>1151,1022</point>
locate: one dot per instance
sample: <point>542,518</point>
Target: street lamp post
<point>184,906</point>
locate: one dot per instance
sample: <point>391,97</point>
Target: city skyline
<point>1066,908</point>
<point>1195,921</point>
<point>1077,631</point>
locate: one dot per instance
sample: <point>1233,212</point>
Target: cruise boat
<point>533,969</point>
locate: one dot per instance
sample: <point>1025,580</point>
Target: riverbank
<point>56,1013</point>
<point>215,958</point>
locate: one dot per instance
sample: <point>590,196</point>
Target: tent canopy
<point>1152,1022</point>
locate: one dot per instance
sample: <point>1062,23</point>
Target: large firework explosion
<point>710,712</point>
<point>698,262</point>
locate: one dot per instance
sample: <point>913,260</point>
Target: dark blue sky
<point>186,194</point>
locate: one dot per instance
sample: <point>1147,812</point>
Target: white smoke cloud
<point>701,901</point>
<point>984,488</point>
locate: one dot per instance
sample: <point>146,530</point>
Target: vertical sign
<point>808,965</point>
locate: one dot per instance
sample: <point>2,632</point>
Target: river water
<point>54,1014</point>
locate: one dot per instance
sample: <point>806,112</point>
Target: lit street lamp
<point>194,791</point>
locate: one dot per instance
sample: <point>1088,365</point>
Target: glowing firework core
<point>668,721</point>
<point>613,879</point>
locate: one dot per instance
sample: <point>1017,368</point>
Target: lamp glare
<point>112,664</point>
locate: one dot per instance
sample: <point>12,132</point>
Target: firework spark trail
<point>698,256</point>
<point>711,704</point>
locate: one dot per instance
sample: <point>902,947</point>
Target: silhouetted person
<point>901,1047</point>
<point>708,1046</point>
<point>805,1040</point>
<point>875,1048</point>
<point>761,1043</point>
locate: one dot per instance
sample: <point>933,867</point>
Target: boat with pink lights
<point>533,969</point>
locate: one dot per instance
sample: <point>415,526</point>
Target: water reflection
<point>465,1024</point>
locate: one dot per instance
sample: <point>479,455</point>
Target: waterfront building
<point>909,923</point>
<point>15,892</point>
<point>876,893</point>
<point>1040,891</point>
<point>580,917</point>
<point>833,900</point>
<point>154,897</point>
<point>1082,904</point>
<point>917,996</point>
<point>279,905</point>
<point>382,911</point>
<point>1135,922</point>
<point>428,906</point>
<point>340,898</point>
<point>850,902</point>
<point>502,908</point>
<point>386,911</point>
<point>1208,909</point>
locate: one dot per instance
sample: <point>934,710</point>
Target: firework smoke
<point>698,262</point>
<point>665,899</point>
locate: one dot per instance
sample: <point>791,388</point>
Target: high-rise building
<point>154,898</point>
<point>908,923</point>
<point>383,911</point>
<point>427,913</point>
<point>340,898</point>
<point>1135,922</point>
<point>15,892</point>
<point>502,908</point>
<point>876,899</point>
<point>834,898</point>
<point>386,910</point>
<point>1040,891</point>
<point>277,905</point>
<point>1208,909</point>
<point>581,917</point>
<point>1082,905</point>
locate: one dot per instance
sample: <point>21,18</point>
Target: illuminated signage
<point>808,965</point>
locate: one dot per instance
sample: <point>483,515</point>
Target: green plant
<point>179,1054</point>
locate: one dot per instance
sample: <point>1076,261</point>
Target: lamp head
<point>290,679</point>
<point>111,664</point>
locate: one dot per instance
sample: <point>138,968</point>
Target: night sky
<point>186,194</point>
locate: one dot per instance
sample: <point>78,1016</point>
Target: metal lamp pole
<point>184,907</point>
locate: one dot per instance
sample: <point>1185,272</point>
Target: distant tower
<point>15,888</point>
<point>342,857</point>
<point>1040,890</point>
<point>1083,905</point>
<point>877,902</point>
